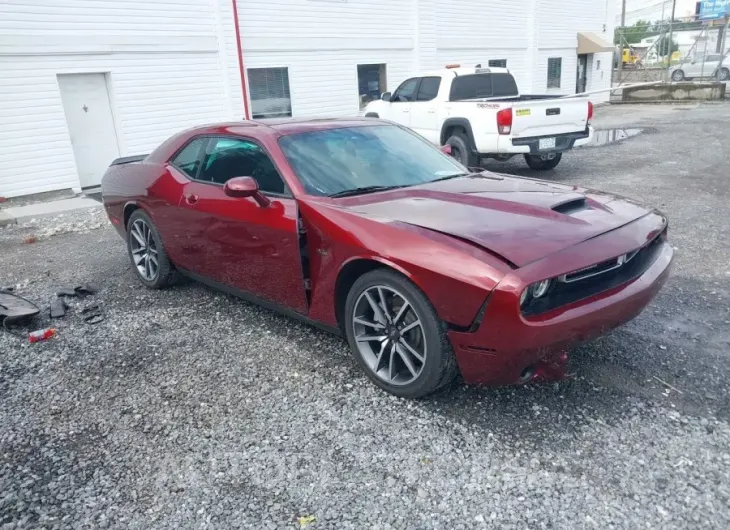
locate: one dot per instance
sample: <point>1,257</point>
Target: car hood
<point>521,220</point>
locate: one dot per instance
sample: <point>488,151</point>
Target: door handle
<point>432,111</point>
<point>191,198</point>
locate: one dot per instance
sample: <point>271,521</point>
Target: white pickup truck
<point>479,113</point>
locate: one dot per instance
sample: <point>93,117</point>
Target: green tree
<point>664,48</point>
<point>634,33</point>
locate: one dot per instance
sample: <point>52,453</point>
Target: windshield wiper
<point>362,190</point>
<point>455,175</point>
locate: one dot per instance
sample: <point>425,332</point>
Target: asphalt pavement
<point>187,408</point>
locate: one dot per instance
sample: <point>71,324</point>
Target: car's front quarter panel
<point>509,344</point>
<point>455,276</point>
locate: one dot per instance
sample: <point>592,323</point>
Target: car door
<point>401,101</point>
<point>712,63</point>
<point>424,110</point>
<point>235,241</point>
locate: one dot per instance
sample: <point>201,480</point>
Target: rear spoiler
<point>128,160</point>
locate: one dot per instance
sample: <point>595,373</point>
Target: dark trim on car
<point>250,297</point>
<point>128,160</point>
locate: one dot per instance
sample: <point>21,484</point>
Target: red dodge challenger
<point>362,227</point>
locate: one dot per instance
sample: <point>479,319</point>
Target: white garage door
<point>90,124</point>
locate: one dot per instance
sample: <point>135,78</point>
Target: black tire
<point>537,163</point>
<point>460,150</point>
<point>678,75</point>
<point>439,367</point>
<point>166,273</point>
<point>723,74</point>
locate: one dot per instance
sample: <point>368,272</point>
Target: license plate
<point>546,143</point>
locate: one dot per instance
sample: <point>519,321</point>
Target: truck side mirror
<point>385,96</point>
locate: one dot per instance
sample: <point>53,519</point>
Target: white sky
<point>652,9</point>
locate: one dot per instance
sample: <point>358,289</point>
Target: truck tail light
<point>590,112</point>
<point>504,121</point>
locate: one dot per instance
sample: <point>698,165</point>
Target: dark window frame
<point>415,90</point>
<point>500,61</point>
<point>208,137</point>
<point>560,73</point>
<point>420,84</point>
<point>288,90</point>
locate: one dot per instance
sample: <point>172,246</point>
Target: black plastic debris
<point>14,308</point>
<point>58,308</point>
<point>66,291</point>
<point>92,314</point>
<point>87,288</point>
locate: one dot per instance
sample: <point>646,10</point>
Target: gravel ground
<point>187,408</point>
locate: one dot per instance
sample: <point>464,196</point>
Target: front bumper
<point>508,348</point>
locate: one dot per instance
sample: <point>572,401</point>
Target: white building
<point>85,81</point>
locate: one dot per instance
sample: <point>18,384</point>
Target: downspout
<point>246,113</point>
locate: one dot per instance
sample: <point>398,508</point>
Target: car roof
<point>465,71</point>
<point>283,126</point>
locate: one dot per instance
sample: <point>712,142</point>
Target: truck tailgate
<point>549,117</point>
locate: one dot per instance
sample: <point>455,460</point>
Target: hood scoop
<point>570,206</point>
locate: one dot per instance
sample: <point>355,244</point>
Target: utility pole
<point>669,44</point>
<point>620,65</point>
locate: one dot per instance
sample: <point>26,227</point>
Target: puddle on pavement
<point>609,136</point>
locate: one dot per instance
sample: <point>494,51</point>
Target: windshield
<point>337,160</point>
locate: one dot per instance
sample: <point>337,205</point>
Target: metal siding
<point>164,70</point>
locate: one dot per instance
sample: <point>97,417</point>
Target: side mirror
<point>385,96</point>
<point>446,149</point>
<point>240,187</point>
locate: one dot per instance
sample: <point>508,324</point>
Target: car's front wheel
<point>396,335</point>
<point>543,162</point>
<point>148,256</point>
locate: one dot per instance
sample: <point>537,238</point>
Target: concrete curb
<point>19,214</point>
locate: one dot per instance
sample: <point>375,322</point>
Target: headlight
<point>539,289</point>
<point>534,291</point>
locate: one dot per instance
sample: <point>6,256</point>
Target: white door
<point>90,123</point>
<point>400,102</point>
<point>424,110</point>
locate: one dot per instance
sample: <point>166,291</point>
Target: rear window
<point>482,86</point>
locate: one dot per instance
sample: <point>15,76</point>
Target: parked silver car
<point>703,66</point>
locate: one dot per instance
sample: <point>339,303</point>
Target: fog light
<point>539,289</point>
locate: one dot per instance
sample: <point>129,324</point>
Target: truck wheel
<point>460,150</point>
<point>541,164</point>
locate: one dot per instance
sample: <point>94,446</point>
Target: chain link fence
<point>672,51</point>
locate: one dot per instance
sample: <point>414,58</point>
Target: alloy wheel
<point>389,335</point>
<point>144,250</point>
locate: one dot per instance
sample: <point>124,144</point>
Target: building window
<point>371,82</point>
<point>498,63</point>
<point>269,90</point>
<point>554,71</point>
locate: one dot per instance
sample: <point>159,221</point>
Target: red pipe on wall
<point>246,113</point>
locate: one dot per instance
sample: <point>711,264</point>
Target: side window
<point>429,88</point>
<point>471,87</point>
<point>407,90</point>
<point>188,160</point>
<point>226,158</point>
<point>712,58</point>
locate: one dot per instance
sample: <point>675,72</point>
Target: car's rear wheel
<point>148,256</point>
<point>678,75</point>
<point>543,162</point>
<point>396,335</point>
<point>460,150</point>
<point>723,74</point>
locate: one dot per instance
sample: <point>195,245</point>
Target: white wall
<point>321,42</point>
<point>161,56</point>
<point>174,63</point>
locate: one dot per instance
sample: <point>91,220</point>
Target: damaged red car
<point>362,227</point>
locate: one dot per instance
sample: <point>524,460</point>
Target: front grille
<point>600,277</point>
